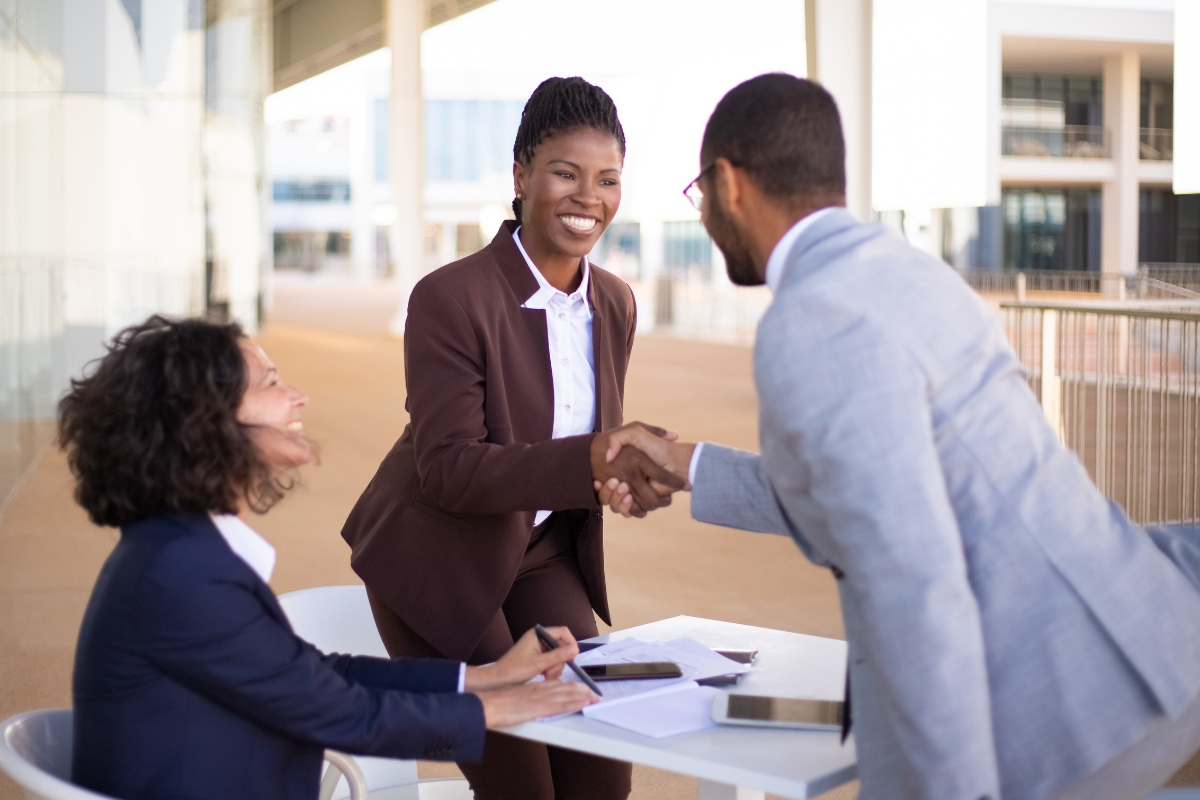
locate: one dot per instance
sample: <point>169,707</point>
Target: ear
<point>519,176</point>
<point>727,181</point>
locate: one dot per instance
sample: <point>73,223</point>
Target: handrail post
<point>1051,388</point>
<point>1020,287</point>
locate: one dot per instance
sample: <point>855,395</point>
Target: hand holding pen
<point>551,644</point>
<point>503,688</point>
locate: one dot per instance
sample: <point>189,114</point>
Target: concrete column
<point>1119,214</point>
<point>405,22</point>
<point>838,41</point>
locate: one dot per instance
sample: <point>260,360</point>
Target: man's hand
<point>533,701</point>
<point>524,660</point>
<point>648,484</point>
<point>663,450</point>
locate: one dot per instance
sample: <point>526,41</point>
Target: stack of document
<point>658,707</point>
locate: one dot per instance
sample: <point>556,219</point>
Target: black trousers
<point>549,589</point>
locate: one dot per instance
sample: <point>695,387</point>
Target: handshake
<point>636,468</point>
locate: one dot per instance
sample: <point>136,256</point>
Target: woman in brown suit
<point>483,519</point>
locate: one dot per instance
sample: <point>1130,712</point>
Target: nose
<point>299,398</point>
<point>586,194</point>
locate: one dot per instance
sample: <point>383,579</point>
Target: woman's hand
<point>519,704</point>
<point>523,661</point>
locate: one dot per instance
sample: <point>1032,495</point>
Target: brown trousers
<point>549,589</point>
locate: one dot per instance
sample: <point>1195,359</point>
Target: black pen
<point>550,643</point>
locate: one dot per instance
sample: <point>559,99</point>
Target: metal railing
<point>1186,276</point>
<point>1150,282</point>
<point>1042,280</point>
<point>1156,144</point>
<point>1120,384</point>
<point>1069,141</point>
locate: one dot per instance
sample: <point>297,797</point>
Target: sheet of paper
<point>677,709</point>
<point>695,661</point>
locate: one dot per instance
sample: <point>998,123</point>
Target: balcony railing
<point>1120,384</point>
<point>1156,144</point>
<point>1069,141</point>
<point>1150,282</point>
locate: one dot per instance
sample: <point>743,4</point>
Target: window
<point>686,246</point>
<point>620,250</point>
<point>468,239</point>
<point>1168,227</point>
<point>1052,115</point>
<point>1052,229</point>
<point>470,140</point>
<point>320,190</point>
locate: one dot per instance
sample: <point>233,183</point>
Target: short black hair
<point>153,429</point>
<point>785,132</point>
<point>559,105</point>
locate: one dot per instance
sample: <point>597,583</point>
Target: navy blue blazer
<point>189,682</point>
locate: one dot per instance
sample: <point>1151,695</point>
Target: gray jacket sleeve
<point>731,490</point>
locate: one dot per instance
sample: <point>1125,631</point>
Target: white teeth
<point>582,224</point>
<point>295,426</point>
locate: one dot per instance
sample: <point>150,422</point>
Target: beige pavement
<point>330,343</point>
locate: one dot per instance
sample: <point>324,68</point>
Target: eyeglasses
<point>694,193</point>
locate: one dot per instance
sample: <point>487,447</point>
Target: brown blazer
<point>441,529</point>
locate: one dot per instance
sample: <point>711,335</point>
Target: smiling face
<point>570,191</point>
<point>272,411</point>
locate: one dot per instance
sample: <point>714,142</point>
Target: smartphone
<point>777,712</point>
<point>740,656</point>
<point>630,672</point>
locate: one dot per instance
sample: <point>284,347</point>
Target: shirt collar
<point>246,544</point>
<point>541,298</point>
<point>779,255</point>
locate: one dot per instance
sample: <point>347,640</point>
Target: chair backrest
<point>337,619</point>
<point>35,750</point>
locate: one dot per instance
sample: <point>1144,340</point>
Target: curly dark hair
<point>559,105</point>
<point>153,429</point>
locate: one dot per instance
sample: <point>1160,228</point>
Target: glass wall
<point>687,249</point>
<point>1052,115</point>
<point>467,141</point>
<point>620,250</point>
<point>1157,121</point>
<point>128,131</point>
<point>1052,228</point>
<point>1168,227</point>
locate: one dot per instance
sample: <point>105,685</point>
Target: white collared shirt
<point>259,555</point>
<point>775,264</point>
<point>246,544</point>
<point>783,248</point>
<point>572,368</point>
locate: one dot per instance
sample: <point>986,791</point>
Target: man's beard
<point>738,263</point>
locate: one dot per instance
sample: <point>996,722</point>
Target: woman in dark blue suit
<point>189,682</point>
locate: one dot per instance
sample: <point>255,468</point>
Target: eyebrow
<point>573,165</point>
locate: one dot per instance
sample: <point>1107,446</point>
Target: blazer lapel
<point>539,414</point>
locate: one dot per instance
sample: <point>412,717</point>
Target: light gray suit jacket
<point>1009,629</point>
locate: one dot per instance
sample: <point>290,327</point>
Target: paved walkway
<point>330,344</point>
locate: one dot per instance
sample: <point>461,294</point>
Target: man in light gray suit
<point>1011,633</point>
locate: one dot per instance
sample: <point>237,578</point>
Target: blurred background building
<point>195,156</point>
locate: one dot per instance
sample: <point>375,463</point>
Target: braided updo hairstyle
<point>559,105</point>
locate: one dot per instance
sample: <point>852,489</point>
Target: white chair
<point>35,751</point>
<point>338,619</point>
<point>36,747</point>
